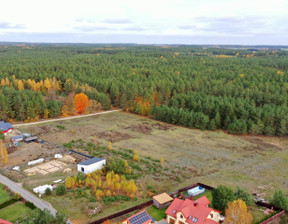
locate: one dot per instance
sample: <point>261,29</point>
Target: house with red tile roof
<point>192,211</point>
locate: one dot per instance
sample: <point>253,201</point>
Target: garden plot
<point>46,168</point>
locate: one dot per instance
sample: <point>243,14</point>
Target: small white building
<point>91,165</point>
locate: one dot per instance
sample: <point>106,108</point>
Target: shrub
<point>48,191</point>
<point>117,165</point>
<point>245,196</point>
<point>30,205</point>
<point>61,190</point>
<point>81,176</point>
<point>280,200</point>
<point>17,196</point>
<point>221,196</point>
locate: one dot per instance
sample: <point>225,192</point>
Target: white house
<point>91,165</point>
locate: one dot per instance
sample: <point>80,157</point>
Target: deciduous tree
<point>237,213</point>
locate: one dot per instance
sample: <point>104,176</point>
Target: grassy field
<point>256,163</point>
<point>12,212</point>
<point>4,194</point>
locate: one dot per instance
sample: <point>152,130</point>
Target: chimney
<point>195,203</point>
<point>191,198</point>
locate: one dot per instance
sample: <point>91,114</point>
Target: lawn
<point>156,213</point>
<point>12,212</point>
<point>4,194</point>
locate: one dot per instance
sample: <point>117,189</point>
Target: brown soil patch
<point>146,127</point>
<point>113,136</point>
<point>262,144</point>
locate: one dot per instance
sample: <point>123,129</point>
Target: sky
<point>243,22</point>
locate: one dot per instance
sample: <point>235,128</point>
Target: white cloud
<point>150,17</point>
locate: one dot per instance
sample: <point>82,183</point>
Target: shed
<point>91,165</point>
<point>162,200</point>
<point>17,138</point>
<point>6,127</point>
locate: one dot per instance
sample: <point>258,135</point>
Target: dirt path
<point>65,118</point>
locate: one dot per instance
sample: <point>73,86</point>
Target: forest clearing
<point>215,156</point>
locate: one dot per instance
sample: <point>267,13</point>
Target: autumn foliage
<point>3,152</point>
<point>81,102</point>
<point>102,185</point>
<point>237,213</point>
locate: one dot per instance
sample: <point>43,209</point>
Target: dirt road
<point>65,118</point>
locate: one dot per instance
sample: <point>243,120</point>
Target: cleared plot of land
<point>15,211</point>
<point>46,168</point>
<point>257,163</point>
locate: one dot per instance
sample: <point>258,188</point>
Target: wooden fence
<point>175,193</point>
<point>148,203</point>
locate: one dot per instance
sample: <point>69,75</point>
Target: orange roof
<point>203,201</point>
<point>190,210</point>
<point>210,221</point>
<point>163,198</point>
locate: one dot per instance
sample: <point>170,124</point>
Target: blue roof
<point>91,161</point>
<point>5,126</point>
<point>140,218</point>
<point>16,136</point>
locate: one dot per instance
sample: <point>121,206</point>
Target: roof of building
<point>2,221</point>
<point>163,198</point>
<point>16,136</point>
<point>203,201</point>
<point>91,161</point>
<point>5,126</point>
<point>140,218</point>
<point>210,221</point>
<point>194,213</point>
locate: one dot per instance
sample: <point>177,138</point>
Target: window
<point>174,211</point>
<point>194,220</point>
<point>82,169</point>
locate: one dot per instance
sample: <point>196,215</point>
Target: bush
<point>17,196</point>
<point>221,196</point>
<point>61,190</point>
<point>30,205</point>
<point>81,176</point>
<point>280,200</point>
<point>245,196</point>
<point>117,165</point>
<point>48,191</point>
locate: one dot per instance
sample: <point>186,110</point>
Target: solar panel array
<point>140,218</point>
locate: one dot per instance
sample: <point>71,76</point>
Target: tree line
<point>241,91</point>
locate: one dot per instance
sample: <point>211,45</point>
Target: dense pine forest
<point>241,91</point>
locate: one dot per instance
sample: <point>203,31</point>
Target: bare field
<point>257,163</point>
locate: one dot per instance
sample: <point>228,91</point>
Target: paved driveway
<point>27,195</point>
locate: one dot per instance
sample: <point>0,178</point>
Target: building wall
<point>178,218</point>
<point>91,168</point>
